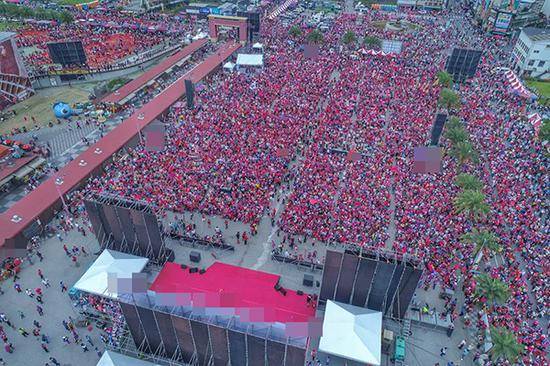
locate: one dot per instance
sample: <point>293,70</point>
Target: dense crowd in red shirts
<point>108,37</point>
<point>339,132</point>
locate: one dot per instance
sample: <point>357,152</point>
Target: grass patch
<point>542,87</point>
<point>6,26</point>
<point>116,83</point>
<point>379,24</point>
<point>40,106</point>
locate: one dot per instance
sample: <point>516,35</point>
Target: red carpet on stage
<point>232,290</point>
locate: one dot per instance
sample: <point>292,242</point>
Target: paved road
<point>57,306</point>
<point>66,144</point>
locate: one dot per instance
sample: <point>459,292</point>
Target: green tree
<point>471,203</point>
<point>372,42</point>
<point>482,239</point>
<point>315,37</point>
<point>295,31</point>
<point>468,181</point>
<point>444,79</point>
<point>453,122</point>
<point>349,38</point>
<point>449,99</point>
<point>492,289</point>
<point>544,132</point>
<point>456,135</point>
<point>464,151</point>
<point>65,17</point>
<point>505,345</point>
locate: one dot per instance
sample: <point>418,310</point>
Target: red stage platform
<point>244,292</point>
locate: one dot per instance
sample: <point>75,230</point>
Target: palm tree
<point>544,132</point>
<point>454,122</point>
<point>349,38</point>
<point>471,203</point>
<point>295,31</point>
<point>372,42</point>
<point>468,181</point>
<point>482,239</point>
<point>315,36</point>
<point>505,345</point>
<point>495,291</point>
<point>449,99</point>
<point>464,151</point>
<point>456,135</point>
<point>444,79</point>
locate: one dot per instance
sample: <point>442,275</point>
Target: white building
<point>531,55</point>
<point>546,9</point>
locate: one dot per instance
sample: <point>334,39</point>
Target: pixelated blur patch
<point>282,153</point>
<point>353,156</point>
<point>427,159</point>
<point>311,51</point>
<point>154,136</point>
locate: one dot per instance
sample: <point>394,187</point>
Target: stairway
<point>406,332</point>
<point>15,87</point>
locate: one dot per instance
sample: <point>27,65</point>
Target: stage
<point>250,294</point>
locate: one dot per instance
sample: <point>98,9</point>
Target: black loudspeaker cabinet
<point>189,93</point>
<point>195,256</point>
<point>462,63</point>
<point>308,280</point>
<point>193,270</point>
<point>253,20</point>
<point>67,53</point>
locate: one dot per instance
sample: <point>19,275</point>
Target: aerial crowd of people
<point>109,39</point>
<point>337,133</point>
<point>324,147</point>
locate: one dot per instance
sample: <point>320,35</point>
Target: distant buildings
<point>531,54</point>
<point>423,4</point>
<point>504,16</point>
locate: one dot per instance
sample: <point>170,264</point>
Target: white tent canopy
<point>229,65</point>
<point>246,59</point>
<point>257,45</point>
<point>352,333</point>
<point>111,358</point>
<point>102,278</point>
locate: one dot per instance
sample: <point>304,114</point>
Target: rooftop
<point>537,34</point>
<point>6,35</point>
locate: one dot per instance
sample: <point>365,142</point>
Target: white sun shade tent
<point>250,59</point>
<point>352,332</point>
<point>110,358</point>
<point>111,274</point>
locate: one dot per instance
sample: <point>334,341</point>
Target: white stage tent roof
<point>103,275</point>
<point>246,59</point>
<point>352,332</point>
<point>111,358</point>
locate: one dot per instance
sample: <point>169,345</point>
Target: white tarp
<point>246,59</point>
<point>111,358</point>
<point>102,278</point>
<point>352,333</point>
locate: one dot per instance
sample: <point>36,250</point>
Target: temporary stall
<point>111,274</point>
<point>229,66</point>
<point>250,61</point>
<point>352,333</point>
